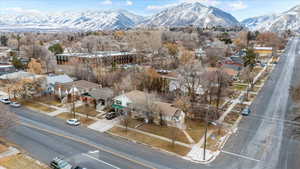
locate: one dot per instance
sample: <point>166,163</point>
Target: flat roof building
<point>104,57</point>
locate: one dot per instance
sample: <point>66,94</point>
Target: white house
<point>138,100</point>
<point>52,80</point>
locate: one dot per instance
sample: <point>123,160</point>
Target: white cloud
<point>237,6</point>
<point>21,10</point>
<point>129,3</point>
<point>107,2</point>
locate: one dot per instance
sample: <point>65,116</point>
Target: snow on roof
<point>19,75</point>
<point>263,48</point>
<point>59,79</point>
<point>6,66</point>
<point>98,54</point>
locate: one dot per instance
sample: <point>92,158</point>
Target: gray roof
<point>102,93</point>
<point>19,75</point>
<point>59,79</point>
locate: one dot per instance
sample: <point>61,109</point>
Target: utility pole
<point>73,101</point>
<point>205,133</point>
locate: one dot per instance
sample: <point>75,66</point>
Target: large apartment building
<point>101,57</point>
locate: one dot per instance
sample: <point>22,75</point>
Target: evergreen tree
<point>17,63</point>
<point>250,59</point>
<point>56,49</point>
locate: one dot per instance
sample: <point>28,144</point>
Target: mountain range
<point>184,14</point>
<point>288,20</point>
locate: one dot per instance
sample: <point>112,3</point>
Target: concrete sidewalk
<point>10,152</point>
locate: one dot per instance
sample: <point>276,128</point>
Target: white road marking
<point>101,161</point>
<point>94,152</point>
<point>241,156</point>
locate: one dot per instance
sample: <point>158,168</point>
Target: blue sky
<point>241,9</point>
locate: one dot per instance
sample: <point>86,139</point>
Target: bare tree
<point>213,55</point>
<point>248,76</point>
<point>190,79</point>
<point>89,43</point>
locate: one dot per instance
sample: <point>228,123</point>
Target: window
<point>118,102</point>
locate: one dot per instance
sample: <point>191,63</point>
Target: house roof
<point>102,93</point>
<point>80,84</point>
<point>136,96</point>
<point>139,97</point>
<point>59,79</point>
<point>229,71</point>
<point>263,48</point>
<point>166,108</point>
<point>19,75</point>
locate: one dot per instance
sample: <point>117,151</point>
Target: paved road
<point>264,140</point>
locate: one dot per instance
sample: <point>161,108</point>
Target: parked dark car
<point>111,115</point>
<point>78,167</point>
<point>246,111</point>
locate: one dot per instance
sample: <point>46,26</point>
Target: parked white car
<point>5,101</point>
<point>73,122</point>
<point>15,104</point>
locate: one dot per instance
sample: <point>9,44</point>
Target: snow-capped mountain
<point>88,20</point>
<point>276,22</point>
<point>186,14</point>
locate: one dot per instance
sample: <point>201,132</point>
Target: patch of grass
<point>256,89</point>
<point>195,128</point>
<point>213,142</point>
<point>154,142</point>
<point>51,100</point>
<point>37,106</point>
<point>231,117</point>
<point>240,87</point>
<point>164,131</point>
<point>87,110</point>
<point>21,161</point>
<point>83,120</point>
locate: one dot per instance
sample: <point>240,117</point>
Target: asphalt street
<point>265,139</point>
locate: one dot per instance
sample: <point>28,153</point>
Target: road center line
<point>101,161</point>
<point>241,156</point>
<point>89,144</point>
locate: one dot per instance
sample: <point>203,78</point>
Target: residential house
<point>263,51</point>
<point>5,69</point>
<point>229,71</point>
<point>200,53</point>
<point>102,97</point>
<point>19,75</point>
<point>81,88</point>
<point>52,80</point>
<point>140,104</point>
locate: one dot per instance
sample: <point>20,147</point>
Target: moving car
<point>15,104</point>
<point>73,122</point>
<point>59,163</point>
<point>111,115</point>
<point>246,111</point>
<point>5,101</point>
